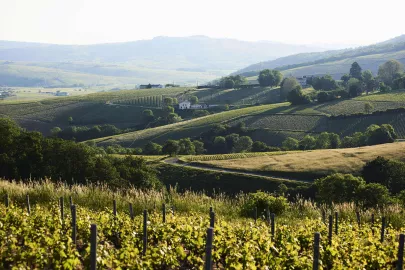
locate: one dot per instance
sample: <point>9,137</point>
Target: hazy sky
<point>290,21</point>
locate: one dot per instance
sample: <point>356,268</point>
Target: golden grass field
<point>349,160</point>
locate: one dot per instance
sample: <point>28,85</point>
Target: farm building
<point>146,86</point>
<point>184,105</point>
<point>62,94</point>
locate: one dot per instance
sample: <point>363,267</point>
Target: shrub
<point>290,144</point>
<point>373,195</point>
<point>263,200</point>
<point>389,173</point>
<point>200,113</point>
<point>338,188</point>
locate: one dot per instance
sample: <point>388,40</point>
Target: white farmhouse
<point>184,105</point>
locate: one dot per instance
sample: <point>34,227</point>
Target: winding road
<point>176,162</point>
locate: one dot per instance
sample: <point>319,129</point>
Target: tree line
<point>29,155</point>
<point>373,135</point>
<point>381,182</point>
<point>390,76</point>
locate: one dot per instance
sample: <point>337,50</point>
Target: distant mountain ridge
<point>300,61</point>
<point>167,52</point>
<point>184,60</point>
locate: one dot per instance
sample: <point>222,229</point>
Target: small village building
<point>146,86</point>
<point>184,105</point>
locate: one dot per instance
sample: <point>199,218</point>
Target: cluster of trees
<point>271,78</point>
<point>86,133</point>
<point>374,134</point>
<point>232,81</point>
<point>382,181</point>
<point>168,116</point>
<point>390,76</point>
<point>25,155</point>
<point>221,139</point>
<point>172,147</point>
<point>326,83</point>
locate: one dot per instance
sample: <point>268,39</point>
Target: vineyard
<point>67,236</point>
<point>247,96</point>
<point>183,129</point>
<point>231,156</point>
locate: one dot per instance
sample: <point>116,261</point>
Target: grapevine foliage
<point>42,241</point>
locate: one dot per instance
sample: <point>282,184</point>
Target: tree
<point>325,83</point>
<point>345,78</point>
<point>387,71</point>
<point>231,141</point>
<point>323,141</point>
<point>70,120</point>
<point>355,71</point>
<point>168,110</point>
<point>232,81</point>
<point>186,147</point>
<point>199,147</point>
<point>368,80</point>
<point>389,173</point>
<point>259,146</point>
<point>55,131</point>
<point>220,144</point>
<point>296,97</point>
<point>147,116</point>
<point>399,83</point>
<point>307,143</point>
<point>380,134</point>
<point>173,118</point>
<point>338,188</point>
<point>171,147</point>
<point>152,148</point>
<point>229,83</point>
<point>244,144</point>
<point>287,85</point>
<point>200,113</point>
<point>290,144</point>
<point>334,140</point>
<point>270,78</point>
<point>168,101</point>
<point>194,100</point>
<point>373,195</point>
<point>354,86</point>
<point>368,107</point>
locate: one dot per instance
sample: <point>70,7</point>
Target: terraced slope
<point>183,129</point>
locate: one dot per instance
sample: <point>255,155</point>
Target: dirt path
<point>176,162</point>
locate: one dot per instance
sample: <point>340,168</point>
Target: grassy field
<point>321,162</point>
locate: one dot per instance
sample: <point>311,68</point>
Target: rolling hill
<point>86,110</point>
<point>305,163</point>
<point>160,60</point>
<point>273,123</point>
<point>335,62</point>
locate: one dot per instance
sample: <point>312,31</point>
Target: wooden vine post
<point>93,247</point>
<point>317,237</point>
<point>208,249</point>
